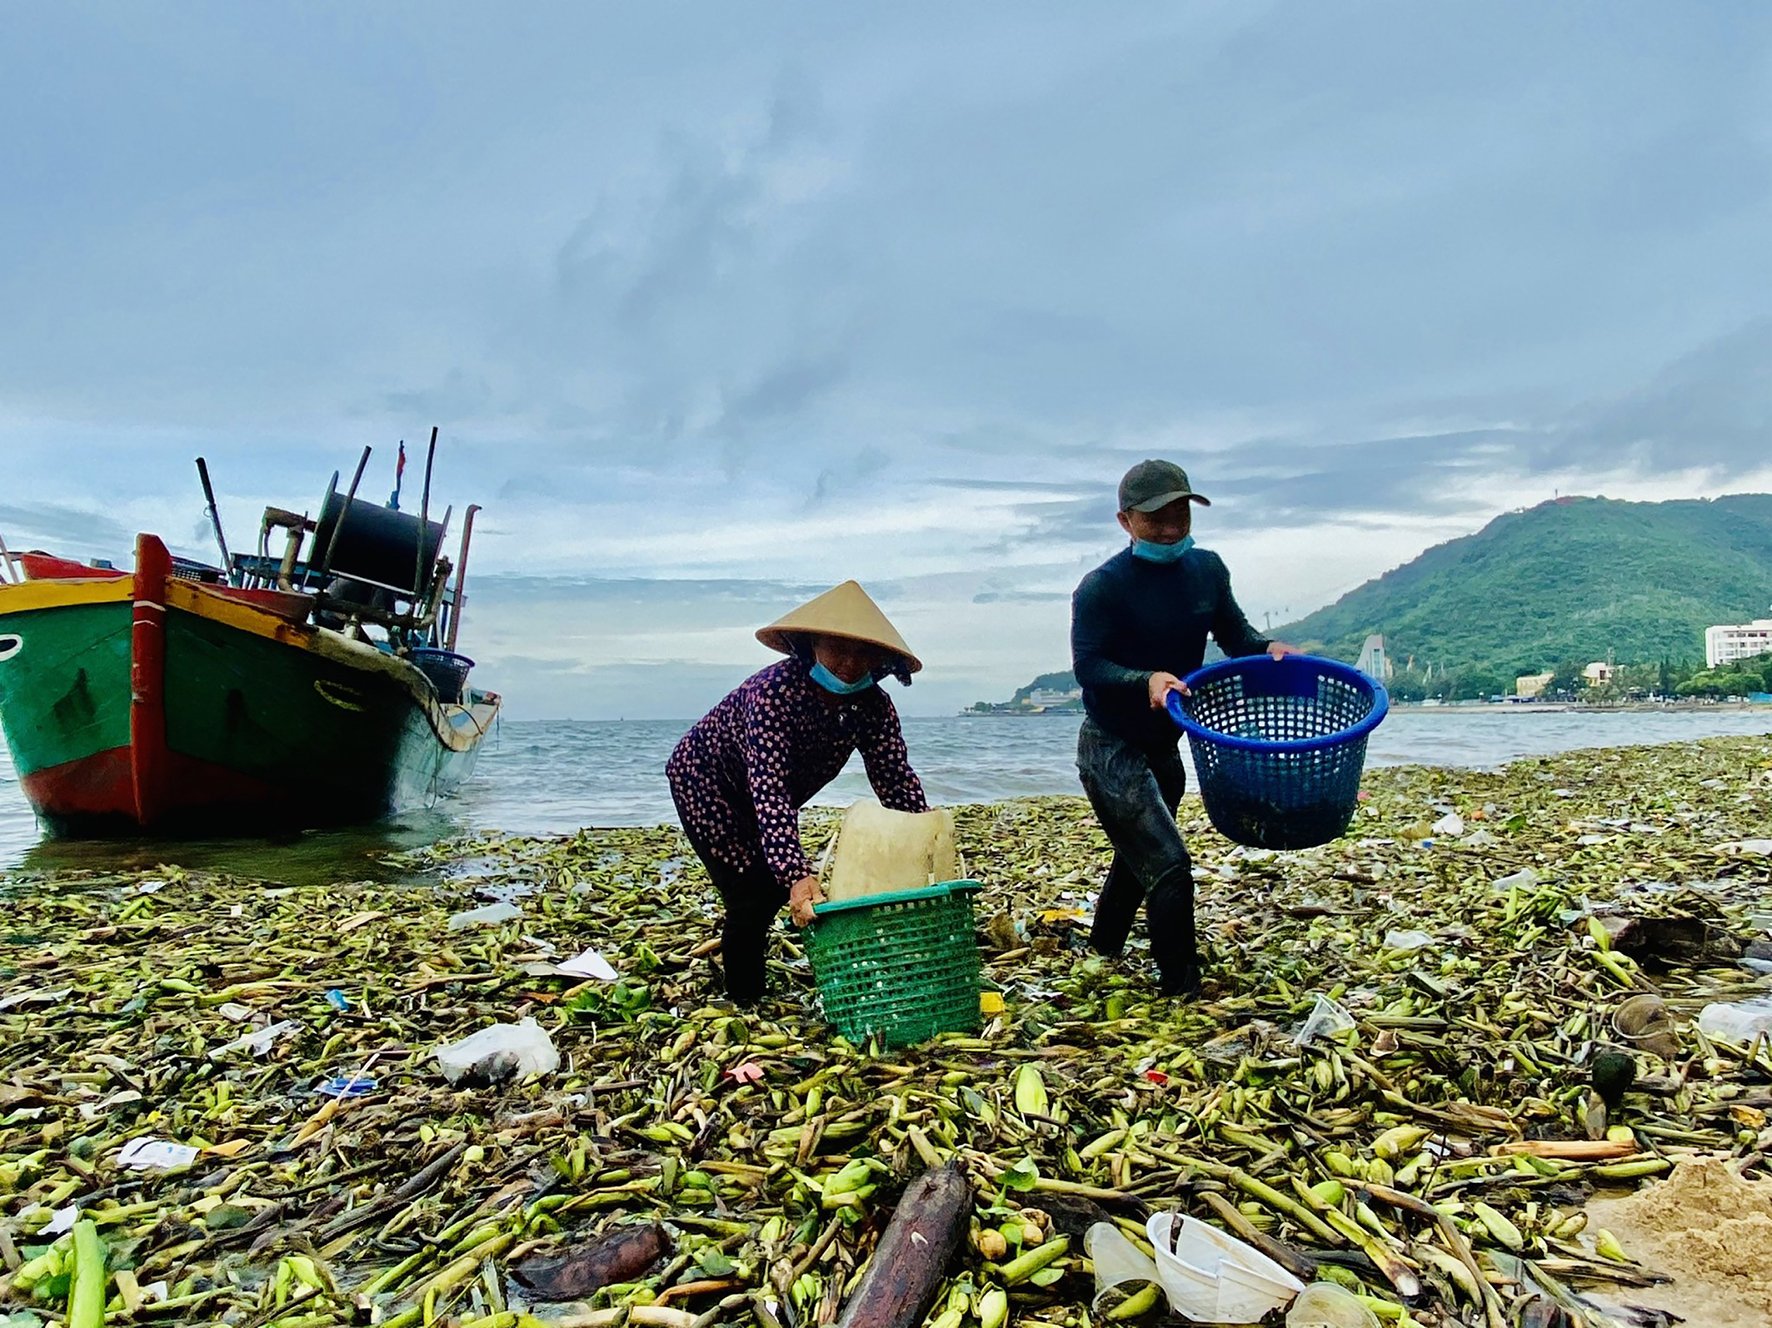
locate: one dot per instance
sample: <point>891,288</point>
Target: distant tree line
<point>1666,678</point>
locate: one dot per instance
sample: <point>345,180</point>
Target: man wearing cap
<point>1138,624</point>
<point>741,775</point>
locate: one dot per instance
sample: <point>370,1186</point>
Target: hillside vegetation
<point>1581,578</point>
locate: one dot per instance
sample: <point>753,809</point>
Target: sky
<point>715,306</point>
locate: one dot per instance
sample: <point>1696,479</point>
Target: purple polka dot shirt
<point>741,775</point>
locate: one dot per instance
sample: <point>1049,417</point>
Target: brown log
<point>620,1256</point>
<point>911,1260</point>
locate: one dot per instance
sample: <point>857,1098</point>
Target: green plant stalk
<point>86,1296</point>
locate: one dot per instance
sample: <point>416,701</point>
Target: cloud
<point>26,525</point>
<point>717,309</point>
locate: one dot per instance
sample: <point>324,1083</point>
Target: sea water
<point>552,777</point>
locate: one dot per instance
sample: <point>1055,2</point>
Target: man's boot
<point>1116,908</point>
<point>1170,908</point>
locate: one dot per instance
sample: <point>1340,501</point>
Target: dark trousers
<point>751,899</point>
<point>1135,792</point>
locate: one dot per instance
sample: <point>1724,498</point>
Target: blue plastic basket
<point>1279,745</point>
<point>447,671</point>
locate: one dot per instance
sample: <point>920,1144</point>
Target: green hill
<point>1574,579</point>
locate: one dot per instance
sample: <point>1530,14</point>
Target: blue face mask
<point>1162,553</point>
<point>832,683</point>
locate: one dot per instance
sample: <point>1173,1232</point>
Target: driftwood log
<point>620,1256</point>
<point>911,1260</point>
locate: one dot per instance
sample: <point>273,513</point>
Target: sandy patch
<point>1707,1229</point>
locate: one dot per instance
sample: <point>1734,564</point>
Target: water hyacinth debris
<point>1386,1157</point>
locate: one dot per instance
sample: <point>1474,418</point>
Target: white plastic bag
<point>1525,879</point>
<point>1326,1019</point>
<point>499,1052</point>
<point>1741,1022</point>
<point>486,916</point>
<point>1407,940</point>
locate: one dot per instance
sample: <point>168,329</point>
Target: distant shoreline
<point>1476,707</point>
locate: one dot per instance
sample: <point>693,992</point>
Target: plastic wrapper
<point>500,1052</point>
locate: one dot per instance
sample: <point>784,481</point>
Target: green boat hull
<point>175,709</point>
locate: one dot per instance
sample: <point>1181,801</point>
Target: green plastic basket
<point>899,967</point>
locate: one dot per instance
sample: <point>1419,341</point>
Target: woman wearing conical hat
<point>741,775</point>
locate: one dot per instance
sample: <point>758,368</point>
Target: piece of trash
<point>1326,1019</point>
<point>1122,1270</point>
<point>1480,838</point>
<point>38,997</point>
<point>338,1000</point>
<point>256,1041</point>
<point>619,1256</point>
<point>233,1148</point>
<point>1668,940</point>
<point>1524,879</point>
<point>489,915</point>
<point>1412,939</point>
<point>156,1155</point>
<point>150,887</point>
<point>1740,1022</point>
<point>589,964</point>
<point>1326,1305</point>
<point>1449,826</point>
<point>234,1012</point>
<point>499,1052</point>
<point>1212,1276</point>
<point>1157,1077</point>
<point>748,1073</point>
<point>1644,1021</point>
<point>990,1002</point>
<point>62,1219</point>
<point>341,1085</point>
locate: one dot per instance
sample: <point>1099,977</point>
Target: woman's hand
<point>1279,649</point>
<point>1161,685</point>
<point>803,895</point>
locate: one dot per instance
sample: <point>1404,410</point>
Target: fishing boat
<point>315,685</point>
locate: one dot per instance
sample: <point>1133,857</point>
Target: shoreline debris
<point>1433,1152</point>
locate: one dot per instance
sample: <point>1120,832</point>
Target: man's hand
<point>1161,685</point>
<point>803,895</point>
<point>1279,649</point>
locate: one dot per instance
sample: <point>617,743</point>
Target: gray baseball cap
<point>1153,484</point>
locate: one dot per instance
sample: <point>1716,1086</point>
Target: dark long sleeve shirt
<point>1131,618</point>
<point>741,775</point>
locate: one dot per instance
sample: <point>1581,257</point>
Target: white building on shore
<point>1374,662</point>
<point>1732,641</point>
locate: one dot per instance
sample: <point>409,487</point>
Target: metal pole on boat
<point>419,579</point>
<point>461,577</point>
<point>6,573</point>
<point>215,520</point>
<point>338,526</point>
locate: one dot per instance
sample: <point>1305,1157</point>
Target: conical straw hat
<point>843,611</point>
